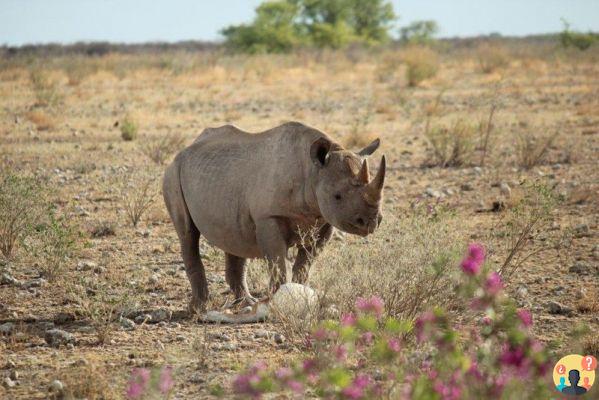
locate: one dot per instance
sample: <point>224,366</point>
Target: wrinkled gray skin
<point>252,195</point>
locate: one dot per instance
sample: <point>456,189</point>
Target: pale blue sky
<point>68,21</point>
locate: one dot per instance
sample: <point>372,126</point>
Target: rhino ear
<point>319,151</point>
<point>371,148</point>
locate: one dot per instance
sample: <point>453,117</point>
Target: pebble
<point>56,386</point>
<point>580,268</point>
<point>86,265</point>
<point>34,283</point>
<point>8,383</point>
<point>229,346</point>
<point>581,230</point>
<point>154,279</point>
<point>127,324</point>
<point>160,315</point>
<point>56,337</point>
<point>466,187</point>
<point>7,328</point>
<point>14,375</point>
<point>279,339</point>
<point>220,336</point>
<point>505,189</point>
<point>140,319</point>
<point>7,279</point>
<point>261,334</point>
<point>430,192</point>
<point>557,308</point>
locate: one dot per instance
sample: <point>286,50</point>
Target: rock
<point>581,230</point>
<point>430,192</point>
<point>505,189</point>
<point>57,337</point>
<point>8,383</point>
<point>99,269</point>
<point>56,386</point>
<point>154,279</point>
<point>86,265</point>
<point>127,324</point>
<point>521,292</point>
<point>294,301</point>
<point>466,187</point>
<point>34,283</point>
<point>261,334</point>
<point>160,315</point>
<point>140,319</point>
<point>7,329</point>
<point>556,308</point>
<point>279,339</point>
<point>7,279</point>
<point>180,338</point>
<point>229,347</point>
<point>10,364</point>
<point>14,375</point>
<point>477,170</point>
<point>580,268</point>
<point>220,337</point>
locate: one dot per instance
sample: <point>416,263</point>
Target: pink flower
<point>283,373</point>
<point>340,352</point>
<point>309,365</point>
<point>373,305</point>
<point>320,334</point>
<point>138,383</point>
<point>362,381</point>
<point>367,338</point>
<point>348,319</point>
<point>166,383</point>
<point>474,259</point>
<point>353,392</point>
<point>475,371</point>
<point>421,322</point>
<point>512,356</point>
<point>525,317</point>
<point>393,344</point>
<point>494,283</point>
<point>295,386</point>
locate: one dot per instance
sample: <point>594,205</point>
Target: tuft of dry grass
<point>42,120</point>
<point>532,150</point>
<point>451,146</point>
<point>137,191</point>
<point>492,57</point>
<point>422,63</point>
<point>84,379</point>
<point>45,89</point>
<point>160,149</point>
<point>588,303</point>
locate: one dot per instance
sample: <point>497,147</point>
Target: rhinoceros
<point>256,196</point>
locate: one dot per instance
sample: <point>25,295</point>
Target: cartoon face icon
<point>574,374</point>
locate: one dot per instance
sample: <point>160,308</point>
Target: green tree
<point>273,29</point>
<point>419,32</point>
<point>372,19</point>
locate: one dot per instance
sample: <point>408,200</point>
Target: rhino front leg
<point>235,274</point>
<point>307,253</point>
<point>273,246</point>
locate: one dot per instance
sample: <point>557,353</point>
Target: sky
<point>136,21</point>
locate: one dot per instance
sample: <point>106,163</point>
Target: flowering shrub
<point>366,355</point>
<point>146,384</point>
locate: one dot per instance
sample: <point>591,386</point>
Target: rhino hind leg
<point>189,238</point>
<point>235,274</point>
<point>307,253</point>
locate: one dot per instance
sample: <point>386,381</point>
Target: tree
<point>419,32</point>
<point>372,19</point>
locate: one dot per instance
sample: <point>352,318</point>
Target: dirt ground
<point>75,143</point>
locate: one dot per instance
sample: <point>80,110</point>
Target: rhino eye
<point>337,196</point>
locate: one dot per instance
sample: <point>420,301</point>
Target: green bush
<point>279,26</point>
<point>582,41</point>
<point>128,129</point>
<point>419,32</point>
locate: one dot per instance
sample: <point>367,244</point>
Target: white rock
<point>294,300</point>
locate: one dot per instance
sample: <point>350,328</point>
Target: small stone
<point>99,269</point>
<point>581,230</point>
<point>56,386</point>
<point>86,265</point>
<point>521,292</point>
<point>7,279</point>
<point>140,319</point>
<point>70,346</point>
<point>557,308</point>
<point>10,364</point>
<point>197,378</point>
<point>7,329</point>
<point>220,337</point>
<point>505,189</point>
<point>14,375</point>
<point>127,324</point>
<point>261,334</point>
<point>180,338</point>
<point>161,314</point>
<point>430,192</point>
<point>57,337</point>
<point>34,283</point>
<point>478,170</point>
<point>580,268</point>
<point>8,383</point>
<point>279,339</point>
<point>229,346</point>
<point>154,279</point>
<point>466,187</point>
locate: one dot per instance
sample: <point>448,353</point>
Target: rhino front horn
<point>375,187</point>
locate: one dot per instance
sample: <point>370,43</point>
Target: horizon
<point>185,20</point>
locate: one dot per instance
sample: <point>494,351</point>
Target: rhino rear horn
<point>364,174</point>
<point>371,148</point>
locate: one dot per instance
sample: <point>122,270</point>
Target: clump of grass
<point>492,57</point>
<point>56,244</point>
<point>138,191</point>
<point>422,63</point>
<point>532,150</point>
<point>160,149</point>
<point>44,88</point>
<point>42,120</point>
<point>22,205</point>
<point>129,129</point>
<point>78,385</point>
<point>103,229</point>
<point>451,146</point>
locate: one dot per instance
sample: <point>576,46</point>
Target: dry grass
<point>531,150</point>
<point>159,150</point>
<point>42,120</point>
<point>451,146</point>
<point>492,57</point>
<point>138,191</point>
<point>422,64</point>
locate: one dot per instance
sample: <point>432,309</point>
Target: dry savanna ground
<point>503,152</point>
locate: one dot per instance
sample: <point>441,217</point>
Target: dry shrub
<point>422,63</point>
<point>44,88</point>
<point>85,380</point>
<point>128,128</point>
<point>22,205</point>
<point>532,150</point>
<point>589,302</point>
<point>451,146</point>
<point>492,57</point>
<point>137,191</point>
<point>160,149</point>
<point>103,229</point>
<point>43,121</point>
<point>412,270</point>
<point>55,245</point>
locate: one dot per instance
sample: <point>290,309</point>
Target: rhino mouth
<point>354,229</point>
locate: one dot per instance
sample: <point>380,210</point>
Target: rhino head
<point>348,199</point>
